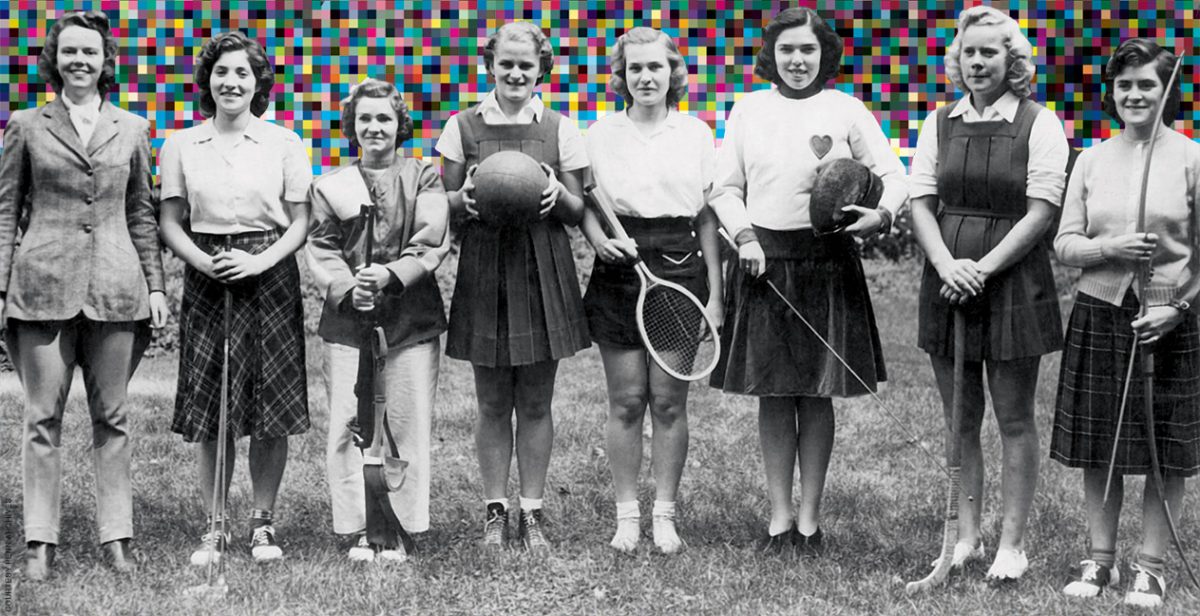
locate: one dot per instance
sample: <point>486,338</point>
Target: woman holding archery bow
<point>1098,233</point>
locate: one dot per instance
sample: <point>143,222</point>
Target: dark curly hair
<point>1137,52</point>
<point>374,88</point>
<point>521,31</point>
<point>92,20</point>
<point>831,44</point>
<point>221,44</point>
<point>642,36</point>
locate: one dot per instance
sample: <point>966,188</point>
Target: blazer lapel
<point>106,128</point>
<point>62,129</point>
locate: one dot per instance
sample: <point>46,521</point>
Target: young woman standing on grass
<point>1098,234</point>
<point>84,280</point>
<point>775,142</point>
<point>516,309</point>
<point>987,178</point>
<point>400,289</point>
<point>655,165</point>
<point>237,176</point>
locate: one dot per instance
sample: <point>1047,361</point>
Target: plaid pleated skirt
<point>767,351</point>
<point>1092,376</point>
<point>670,249</point>
<point>1017,316</point>
<point>268,393</point>
<point>516,296</point>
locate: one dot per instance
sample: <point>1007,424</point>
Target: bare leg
<point>668,412</point>
<point>815,445</point>
<point>970,501</point>
<point>1156,533</point>
<point>493,428</point>
<point>777,435</point>
<point>268,458</point>
<point>1102,517</point>
<point>207,466</point>
<point>534,394</point>
<point>1013,385</point>
<point>628,395</point>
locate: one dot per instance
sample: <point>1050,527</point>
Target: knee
<point>495,404</point>
<point>667,409</point>
<point>627,405</point>
<point>1017,427</point>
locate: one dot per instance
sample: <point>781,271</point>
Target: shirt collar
<point>670,122</point>
<point>1004,108</point>
<point>256,130</point>
<point>90,109</point>
<point>489,107</point>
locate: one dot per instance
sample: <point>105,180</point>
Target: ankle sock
<point>260,517</point>
<point>529,504</point>
<point>664,509</point>
<point>1153,564</point>
<point>628,510</point>
<point>1107,558</point>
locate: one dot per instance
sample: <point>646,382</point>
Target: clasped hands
<point>370,281</point>
<point>962,280</point>
<point>549,196</point>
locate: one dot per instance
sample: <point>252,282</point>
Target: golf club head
<point>208,592</point>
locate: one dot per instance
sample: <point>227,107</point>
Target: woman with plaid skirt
<point>1098,234</point>
<point>241,184</point>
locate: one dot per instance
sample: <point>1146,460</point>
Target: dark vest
<point>481,140</point>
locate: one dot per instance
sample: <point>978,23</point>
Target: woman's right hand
<point>752,259</point>
<point>468,193</point>
<point>362,299</point>
<point>962,276</point>
<point>617,251</point>
<point>1132,247</point>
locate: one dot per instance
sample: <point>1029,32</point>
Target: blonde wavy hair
<point>1020,69</point>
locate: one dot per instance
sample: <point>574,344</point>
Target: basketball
<point>842,182</point>
<point>508,188</point>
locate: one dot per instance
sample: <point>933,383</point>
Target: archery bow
<point>1141,280</point>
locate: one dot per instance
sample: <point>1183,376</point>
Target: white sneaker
<point>393,555</point>
<point>1009,565</point>
<point>361,551</point>
<point>1093,579</point>
<point>963,554</point>
<point>212,546</point>
<point>262,544</point>
<point>1148,588</point>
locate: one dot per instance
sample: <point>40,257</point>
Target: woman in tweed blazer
<point>84,278</point>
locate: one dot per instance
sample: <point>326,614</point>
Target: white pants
<point>411,387</point>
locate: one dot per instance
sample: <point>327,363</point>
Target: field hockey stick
<point>677,332</point>
<point>912,437</point>
<point>954,461</point>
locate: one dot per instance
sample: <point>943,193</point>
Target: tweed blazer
<point>85,216</point>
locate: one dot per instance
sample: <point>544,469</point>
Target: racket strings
<point>677,331</point>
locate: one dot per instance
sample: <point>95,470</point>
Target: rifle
<point>383,470</point>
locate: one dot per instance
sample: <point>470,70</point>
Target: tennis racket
<point>671,321</point>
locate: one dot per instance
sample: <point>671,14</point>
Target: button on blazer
<point>86,215</point>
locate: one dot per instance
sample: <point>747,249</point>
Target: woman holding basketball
<point>984,256</point>
<point>775,142</point>
<point>516,308</point>
<point>655,165</point>
<point>235,210</point>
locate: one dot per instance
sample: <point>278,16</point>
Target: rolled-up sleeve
<point>1046,173</point>
<point>870,147</point>
<point>922,181</point>
<point>297,170</point>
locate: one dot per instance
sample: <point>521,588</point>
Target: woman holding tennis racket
<point>653,167</point>
<point>1098,235</point>
<point>235,210</point>
<point>516,309</point>
<point>985,257</point>
<point>775,142</point>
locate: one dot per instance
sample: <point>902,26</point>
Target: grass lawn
<point>882,514</point>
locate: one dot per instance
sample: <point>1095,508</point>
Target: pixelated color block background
<point>893,58</point>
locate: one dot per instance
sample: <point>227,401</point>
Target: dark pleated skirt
<point>1092,378</point>
<point>268,392</point>
<point>516,296</point>
<point>1017,315</point>
<point>767,351</point>
<point>670,249</point>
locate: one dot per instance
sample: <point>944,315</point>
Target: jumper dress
<point>982,169</point>
<point>516,296</point>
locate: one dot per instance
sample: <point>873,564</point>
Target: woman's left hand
<point>868,223</point>
<point>236,265</point>
<point>158,309</point>
<point>715,311</point>
<point>1158,322</point>
<point>550,195</point>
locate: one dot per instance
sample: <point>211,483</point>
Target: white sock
<point>628,527</point>
<point>529,504</point>
<point>502,501</point>
<point>665,536</point>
